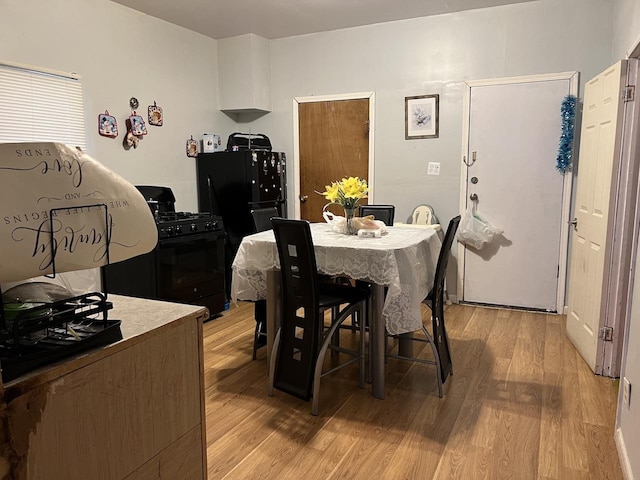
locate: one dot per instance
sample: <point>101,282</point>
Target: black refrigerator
<point>231,184</point>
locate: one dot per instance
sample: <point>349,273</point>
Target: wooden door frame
<point>627,228</point>
<point>573,78</point>
<point>296,139</point>
<point>631,150</point>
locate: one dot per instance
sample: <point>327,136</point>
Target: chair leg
<point>437,359</point>
<point>335,341</point>
<point>440,315</point>
<point>320,361</point>
<point>355,319</point>
<point>272,363</point>
<point>446,336</point>
<point>369,308</point>
<point>318,370</point>
<point>447,340</point>
<point>363,314</point>
<point>316,377</point>
<point>255,341</point>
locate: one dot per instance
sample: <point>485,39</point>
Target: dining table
<point>399,266</point>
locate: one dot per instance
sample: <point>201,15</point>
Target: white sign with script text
<point>61,210</point>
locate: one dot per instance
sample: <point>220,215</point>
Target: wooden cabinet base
<point>133,410</point>
<point>182,459</point>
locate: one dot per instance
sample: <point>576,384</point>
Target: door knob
<point>473,197</point>
<point>574,222</point>
<point>303,198</point>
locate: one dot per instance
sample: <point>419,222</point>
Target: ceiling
<point>285,18</point>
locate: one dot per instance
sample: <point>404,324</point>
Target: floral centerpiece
<point>347,193</point>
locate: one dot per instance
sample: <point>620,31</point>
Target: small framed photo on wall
<point>155,115</point>
<point>421,117</point>
<point>137,125</point>
<point>107,125</point>
<point>192,147</point>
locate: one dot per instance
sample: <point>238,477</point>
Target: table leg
<point>405,345</point>
<point>376,341</point>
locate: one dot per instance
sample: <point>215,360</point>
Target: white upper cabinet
<point>244,73</point>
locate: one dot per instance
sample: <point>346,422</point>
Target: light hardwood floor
<point>522,404</point>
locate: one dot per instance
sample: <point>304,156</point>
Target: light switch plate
<point>433,168</point>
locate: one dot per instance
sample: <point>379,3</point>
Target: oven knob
<point>194,227</point>
<point>170,231</point>
<point>178,229</point>
<point>208,226</point>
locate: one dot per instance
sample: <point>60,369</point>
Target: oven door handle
<point>196,237</point>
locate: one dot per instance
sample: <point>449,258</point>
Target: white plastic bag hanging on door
<point>476,231</point>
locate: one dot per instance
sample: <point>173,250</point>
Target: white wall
<point>626,27</point>
<point>432,55</point>
<point>122,53</point>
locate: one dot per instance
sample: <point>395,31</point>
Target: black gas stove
<point>176,224</point>
<point>186,266</point>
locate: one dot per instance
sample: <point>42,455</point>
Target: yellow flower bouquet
<point>347,193</point>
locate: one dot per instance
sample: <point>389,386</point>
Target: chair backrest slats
<point>437,297</point>
<point>300,308</point>
<point>445,253</point>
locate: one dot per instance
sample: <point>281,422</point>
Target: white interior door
<point>513,133</point>
<point>599,145</point>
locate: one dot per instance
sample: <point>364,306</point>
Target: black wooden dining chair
<point>302,341</point>
<point>384,213</point>
<point>262,217</point>
<point>262,222</point>
<point>438,340</point>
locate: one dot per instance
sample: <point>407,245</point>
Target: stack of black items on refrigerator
<point>246,141</point>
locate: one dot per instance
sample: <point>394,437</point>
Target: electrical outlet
<point>434,168</point>
<point>626,392</point>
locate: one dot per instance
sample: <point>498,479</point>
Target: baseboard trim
<point>622,455</point>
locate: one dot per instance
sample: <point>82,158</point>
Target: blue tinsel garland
<point>568,113</point>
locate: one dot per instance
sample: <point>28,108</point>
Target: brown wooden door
<point>334,143</point>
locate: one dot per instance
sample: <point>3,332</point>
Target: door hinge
<point>629,93</point>
<point>606,334</point>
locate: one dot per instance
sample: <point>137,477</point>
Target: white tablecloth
<point>404,260</point>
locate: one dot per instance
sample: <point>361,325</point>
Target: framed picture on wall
<point>107,125</point>
<point>137,125</point>
<point>421,117</point>
<point>155,115</point>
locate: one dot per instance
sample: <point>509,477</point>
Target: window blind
<point>38,106</point>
